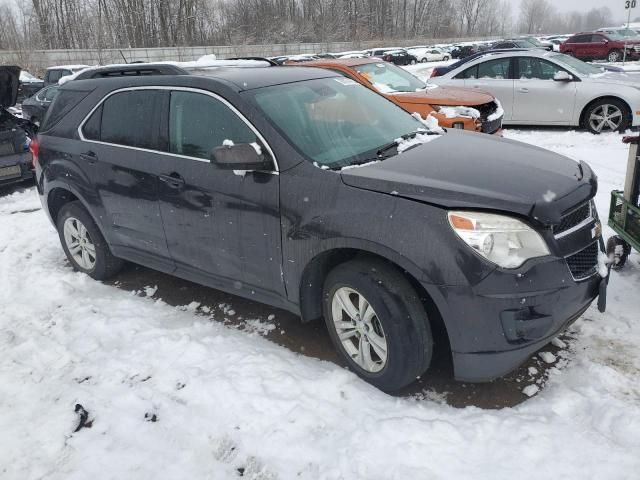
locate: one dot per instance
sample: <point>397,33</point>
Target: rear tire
<point>614,56</point>
<point>607,115</point>
<point>83,243</point>
<point>413,62</point>
<point>446,59</point>
<point>424,60</point>
<point>377,323</point>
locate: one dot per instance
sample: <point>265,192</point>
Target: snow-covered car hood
<point>481,171</point>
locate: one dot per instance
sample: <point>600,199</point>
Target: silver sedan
<point>549,88</point>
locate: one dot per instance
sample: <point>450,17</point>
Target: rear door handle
<point>173,180</point>
<point>89,156</point>
<point>523,90</point>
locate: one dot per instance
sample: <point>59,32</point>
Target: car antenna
<point>123,57</point>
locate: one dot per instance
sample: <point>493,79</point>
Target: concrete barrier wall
<point>36,61</point>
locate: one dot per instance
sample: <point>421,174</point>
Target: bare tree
<point>534,15</point>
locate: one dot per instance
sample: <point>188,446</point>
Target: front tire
<point>413,62</point>
<point>607,115</point>
<point>614,56</point>
<point>377,323</point>
<point>83,243</point>
<point>446,59</point>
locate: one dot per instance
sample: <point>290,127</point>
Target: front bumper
<point>496,325</point>
<point>21,160</point>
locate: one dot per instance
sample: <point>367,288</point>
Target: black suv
<point>15,160</point>
<point>302,189</point>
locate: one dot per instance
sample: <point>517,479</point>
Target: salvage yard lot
<point>178,386</point>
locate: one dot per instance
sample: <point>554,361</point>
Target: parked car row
<point>201,173</point>
<point>537,87</point>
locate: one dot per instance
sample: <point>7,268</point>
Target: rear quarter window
<point>63,103</point>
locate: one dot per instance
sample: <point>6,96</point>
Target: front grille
<point>573,218</point>
<point>584,263</point>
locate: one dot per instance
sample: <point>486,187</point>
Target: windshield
<point>534,41</point>
<point>573,63</point>
<point>387,78</point>
<point>617,35</point>
<point>334,122</point>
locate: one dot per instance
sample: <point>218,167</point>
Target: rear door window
<point>498,69</point>
<point>131,118</point>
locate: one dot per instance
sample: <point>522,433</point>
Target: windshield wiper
<point>407,136</point>
<point>381,153</point>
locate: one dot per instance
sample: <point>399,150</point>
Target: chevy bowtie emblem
<point>596,231</point>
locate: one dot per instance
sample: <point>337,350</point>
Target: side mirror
<point>238,157</point>
<point>562,76</point>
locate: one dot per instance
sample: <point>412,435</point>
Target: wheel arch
<point>59,196</point>
<point>314,274</point>
<point>600,98</point>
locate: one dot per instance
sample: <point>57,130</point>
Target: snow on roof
<point>68,67</point>
<point>206,61</point>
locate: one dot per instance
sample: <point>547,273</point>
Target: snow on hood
<point>460,111</point>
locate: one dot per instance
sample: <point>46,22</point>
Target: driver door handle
<point>523,90</point>
<point>173,180</point>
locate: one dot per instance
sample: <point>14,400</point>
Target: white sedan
<point>549,88</point>
<point>429,54</point>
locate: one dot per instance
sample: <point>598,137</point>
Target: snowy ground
<point>172,394</point>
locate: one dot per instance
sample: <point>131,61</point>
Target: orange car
<point>449,105</point>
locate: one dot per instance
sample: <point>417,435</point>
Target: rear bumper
<point>498,324</point>
<point>23,161</point>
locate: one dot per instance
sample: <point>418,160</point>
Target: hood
<point>468,170</point>
<point>9,82</point>
<point>450,96</point>
<point>614,78</point>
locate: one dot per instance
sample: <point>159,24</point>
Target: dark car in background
<point>399,57</point>
<point>601,46</point>
<point>518,43</point>
<point>240,179</point>
<point>29,86</point>
<point>15,160</point>
<point>34,108</point>
<point>54,74</point>
<point>464,51</point>
<point>538,43</point>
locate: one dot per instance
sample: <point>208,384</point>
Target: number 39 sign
<point>630,4</point>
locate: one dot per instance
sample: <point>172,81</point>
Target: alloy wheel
<point>359,329</point>
<point>79,243</point>
<point>614,57</point>
<point>606,117</point>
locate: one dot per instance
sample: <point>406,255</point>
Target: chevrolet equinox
<point>302,189</point>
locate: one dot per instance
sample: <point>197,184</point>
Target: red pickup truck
<point>600,46</point>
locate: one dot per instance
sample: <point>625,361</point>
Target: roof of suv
<point>245,78</point>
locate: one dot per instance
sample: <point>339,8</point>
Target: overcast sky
<point>616,6</point>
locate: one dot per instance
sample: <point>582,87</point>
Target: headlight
<point>505,241</point>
